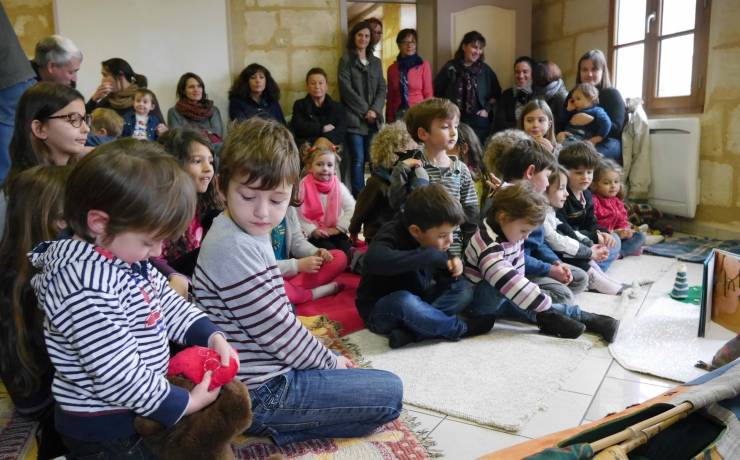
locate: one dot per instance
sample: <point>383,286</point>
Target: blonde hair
<point>387,143</point>
<point>539,104</point>
<point>107,119</point>
<point>499,144</point>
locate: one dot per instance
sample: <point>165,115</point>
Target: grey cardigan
<point>357,96</point>
<point>213,124</point>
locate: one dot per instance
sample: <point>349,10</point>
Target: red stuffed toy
<point>195,361</point>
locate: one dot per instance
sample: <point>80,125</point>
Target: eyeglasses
<point>75,119</point>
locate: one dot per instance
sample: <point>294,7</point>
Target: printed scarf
<point>466,86</point>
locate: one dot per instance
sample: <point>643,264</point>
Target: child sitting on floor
<point>372,209</point>
<point>574,247</point>
<point>470,152</point>
<point>580,159</point>
<point>609,208</point>
<point>308,272</point>
<point>109,316</point>
<point>299,389</point>
<point>411,287</point>
<point>434,123</point>
<point>327,205</point>
<point>494,262</point>
<point>141,122</point>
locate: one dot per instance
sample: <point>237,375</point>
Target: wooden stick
<point>619,451</point>
<point>634,430</point>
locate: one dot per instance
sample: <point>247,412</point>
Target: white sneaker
<point>653,239</point>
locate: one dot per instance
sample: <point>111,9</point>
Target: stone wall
<point>287,37</point>
<point>563,30</point>
<point>31,19</point>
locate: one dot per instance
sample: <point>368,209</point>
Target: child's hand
<point>581,119</point>
<point>596,139</point>
<point>599,252</point>
<point>324,254</point>
<point>161,128</point>
<point>455,266</point>
<point>493,183</point>
<point>319,233</point>
<point>571,105</point>
<point>560,273</point>
<point>412,163</point>
<point>344,363</point>
<point>179,284</point>
<point>561,136</point>
<point>625,233</point>
<point>607,240</point>
<point>220,345</point>
<point>200,397</point>
<point>310,264</point>
<point>544,142</point>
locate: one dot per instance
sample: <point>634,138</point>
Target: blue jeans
<point>613,254</point>
<point>487,300</point>
<point>359,149</point>
<point>116,449</point>
<point>325,403</point>
<point>8,101</point>
<point>631,246</point>
<point>611,148</point>
<point>437,318</point>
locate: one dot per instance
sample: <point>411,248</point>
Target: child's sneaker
<point>552,322</point>
<point>478,325</point>
<point>400,337</point>
<point>652,239</point>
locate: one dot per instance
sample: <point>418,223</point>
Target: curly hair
<point>240,88</point>
<point>388,142</point>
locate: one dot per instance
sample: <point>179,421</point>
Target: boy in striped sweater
<point>109,314</point>
<point>433,123</point>
<point>299,389</point>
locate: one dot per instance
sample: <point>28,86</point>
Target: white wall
<point>160,39</point>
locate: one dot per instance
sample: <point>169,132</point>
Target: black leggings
<point>341,242</point>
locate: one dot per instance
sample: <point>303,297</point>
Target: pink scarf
<point>312,210</point>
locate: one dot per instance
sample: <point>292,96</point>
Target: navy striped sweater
<point>107,325</point>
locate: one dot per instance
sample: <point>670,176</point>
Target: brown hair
<point>606,165</point>
<point>514,162</point>
<point>316,71</point>
<point>499,144</point>
<point>422,114</point>
<point>545,72</point>
<point>391,140</point>
<point>107,119</point>
<point>519,201</point>
<point>588,90</point>
<point>580,155</point>
<point>539,104</point>
<point>139,186</point>
<point>264,151</point>
<point>431,206</point>
<point>146,92</point>
<point>35,199</point>
<point>599,61</point>
<point>554,178</point>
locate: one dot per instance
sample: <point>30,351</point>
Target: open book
<point>720,300</point>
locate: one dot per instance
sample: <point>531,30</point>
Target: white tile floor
<point>599,386</point>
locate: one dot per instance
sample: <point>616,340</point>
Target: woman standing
<point>592,69</point>
<point>471,84</point>
<point>117,88</point>
<point>362,89</point>
<point>409,78</point>
<point>509,107</point>
<point>193,109</point>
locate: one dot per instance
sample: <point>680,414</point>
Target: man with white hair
<point>57,59</point>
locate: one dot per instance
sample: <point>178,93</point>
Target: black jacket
<point>308,121</point>
<point>578,216</point>
<point>395,262</point>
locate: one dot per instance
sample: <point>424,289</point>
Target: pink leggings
<point>298,288</point>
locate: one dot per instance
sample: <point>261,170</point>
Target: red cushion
<point>340,307</point>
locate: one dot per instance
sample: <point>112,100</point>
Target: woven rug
<point>500,379</point>
<point>400,439</point>
<point>691,248</point>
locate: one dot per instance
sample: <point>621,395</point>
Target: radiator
<point>674,150</point>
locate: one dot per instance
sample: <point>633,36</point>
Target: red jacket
<point>610,212</point>
<point>420,87</point>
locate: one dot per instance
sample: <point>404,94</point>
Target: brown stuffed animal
<point>205,434</point>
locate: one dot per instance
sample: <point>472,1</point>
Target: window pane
<point>630,21</point>
<point>629,70</point>
<point>676,57</point>
<point>678,16</point>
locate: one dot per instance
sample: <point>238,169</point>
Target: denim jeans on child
<point>325,403</point>
<point>613,254</point>
<point>437,318</point>
<point>631,246</point>
<point>487,300</point>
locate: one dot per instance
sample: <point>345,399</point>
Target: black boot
<point>400,337</point>
<point>478,325</point>
<point>603,325</point>
<point>552,322</point>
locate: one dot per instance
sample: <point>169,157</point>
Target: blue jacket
<point>241,108</point>
<point>129,123</point>
<point>538,257</point>
<point>600,126</point>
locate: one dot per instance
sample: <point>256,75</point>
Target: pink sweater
<point>420,87</point>
<point>610,212</point>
